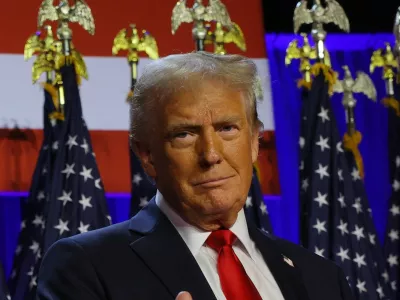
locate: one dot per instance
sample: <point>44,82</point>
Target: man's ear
<point>144,154</point>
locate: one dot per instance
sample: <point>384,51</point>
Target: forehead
<point>207,99</point>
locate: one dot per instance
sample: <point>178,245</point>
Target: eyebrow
<point>187,125</point>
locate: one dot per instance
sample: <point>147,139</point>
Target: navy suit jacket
<point>146,258</point>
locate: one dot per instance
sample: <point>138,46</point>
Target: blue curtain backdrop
<point>355,51</point>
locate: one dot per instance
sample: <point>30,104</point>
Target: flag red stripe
<point>19,151</point>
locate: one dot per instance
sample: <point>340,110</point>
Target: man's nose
<point>210,149</point>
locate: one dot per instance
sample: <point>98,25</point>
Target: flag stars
<point>54,146</point>
<point>85,146</point>
<point>385,276</point>
<point>323,143</point>
<point>395,210</point>
<point>396,185</point>
<point>322,171</point>
<point>86,173</point>
<point>38,221</point>
<point>321,199</point>
<point>320,226</point>
<point>85,202</point>
<point>71,141</point>
<point>361,286</point>
<point>66,197</point>
<point>263,208</point>
<point>137,178</point>
<point>97,183</point>
<point>343,227</point>
<point>359,232</point>
<point>393,235</point>
<point>33,282</point>
<point>83,228</point>
<point>302,142</point>
<point>62,226</point>
<point>304,184</point>
<point>372,238</point>
<point>355,174</point>
<point>360,260</point>
<point>143,201</point>
<point>319,252</point>
<point>34,247</point>
<point>343,254</point>
<point>69,169</point>
<point>379,290</point>
<point>40,196</point>
<point>357,205</point>
<point>393,260</point>
<point>341,200</point>
<point>393,285</point>
<point>249,201</point>
<point>397,161</point>
<point>340,174</point>
<point>323,114</point>
<point>339,147</point>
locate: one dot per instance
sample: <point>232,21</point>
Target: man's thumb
<point>184,296</point>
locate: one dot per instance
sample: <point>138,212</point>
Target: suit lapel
<point>163,250</point>
<point>286,274</point>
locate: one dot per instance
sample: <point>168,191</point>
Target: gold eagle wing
<point>377,60</point>
<point>33,44</point>
<point>335,14</point>
<point>216,11</point>
<point>47,11</point>
<point>292,52</point>
<point>120,42</point>
<point>180,14</point>
<point>301,15</point>
<point>235,35</point>
<point>82,14</point>
<point>363,84</point>
<point>149,44</point>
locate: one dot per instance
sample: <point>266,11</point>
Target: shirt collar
<point>195,237</point>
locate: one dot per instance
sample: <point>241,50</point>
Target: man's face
<point>202,154</point>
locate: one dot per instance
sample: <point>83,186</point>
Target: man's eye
<point>227,128</point>
<point>181,135</point>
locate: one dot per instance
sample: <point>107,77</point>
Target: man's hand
<point>184,296</point>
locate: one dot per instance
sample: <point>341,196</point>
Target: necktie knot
<point>221,238</point>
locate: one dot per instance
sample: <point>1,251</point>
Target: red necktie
<point>234,281</point>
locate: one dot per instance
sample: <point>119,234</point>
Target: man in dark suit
<point>195,128</point>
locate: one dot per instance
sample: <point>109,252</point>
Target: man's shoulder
<point>103,237</point>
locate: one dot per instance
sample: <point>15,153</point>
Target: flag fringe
<point>350,143</point>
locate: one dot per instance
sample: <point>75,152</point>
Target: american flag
<point>255,207</point>
<point>23,279</point>
<point>3,286</point>
<point>77,199</point>
<point>339,224</point>
<point>392,242</point>
<point>142,188</point>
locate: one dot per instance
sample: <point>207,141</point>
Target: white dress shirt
<point>244,248</point>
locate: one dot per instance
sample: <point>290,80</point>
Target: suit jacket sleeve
<point>66,273</point>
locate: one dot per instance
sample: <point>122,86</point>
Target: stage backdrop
<point>103,96</point>
<point>355,51</point>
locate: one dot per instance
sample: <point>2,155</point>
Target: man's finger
<point>184,296</point>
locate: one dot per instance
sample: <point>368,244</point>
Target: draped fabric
<point>355,51</point>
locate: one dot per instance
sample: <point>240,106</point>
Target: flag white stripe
<point>103,96</point>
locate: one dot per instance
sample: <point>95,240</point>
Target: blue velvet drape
<point>355,51</point>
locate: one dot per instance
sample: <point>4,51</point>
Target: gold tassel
<point>392,103</point>
<point>329,74</point>
<point>57,116</point>
<point>351,143</point>
<point>303,83</point>
<point>51,89</point>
